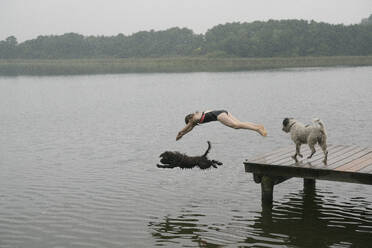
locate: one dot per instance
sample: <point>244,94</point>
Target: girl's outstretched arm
<point>185,130</point>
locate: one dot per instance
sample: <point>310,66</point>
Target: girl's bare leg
<point>252,126</point>
<point>230,121</point>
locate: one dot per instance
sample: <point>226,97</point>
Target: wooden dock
<point>345,164</point>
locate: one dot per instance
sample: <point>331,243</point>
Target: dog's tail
<point>208,149</point>
<point>320,124</point>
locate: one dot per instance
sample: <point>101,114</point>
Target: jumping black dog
<point>176,159</point>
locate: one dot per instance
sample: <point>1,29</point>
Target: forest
<point>259,39</point>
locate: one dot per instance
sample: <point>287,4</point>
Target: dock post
<point>267,188</point>
<point>309,184</point>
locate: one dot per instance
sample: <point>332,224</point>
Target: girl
<point>222,116</point>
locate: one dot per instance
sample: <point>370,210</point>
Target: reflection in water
<point>309,218</point>
<point>180,229</point>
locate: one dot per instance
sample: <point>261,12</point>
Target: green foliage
<point>283,38</point>
<point>289,38</point>
<point>8,48</point>
<point>367,21</point>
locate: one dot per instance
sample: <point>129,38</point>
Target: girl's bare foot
<point>261,130</point>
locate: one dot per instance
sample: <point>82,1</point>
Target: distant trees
<point>171,42</point>
<point>367,21</point>
<point>289,38</point>
<point>257,39</point>
<point>69,45</point>
<point>8,47</point>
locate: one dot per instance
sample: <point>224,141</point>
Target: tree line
<point>273,38</point>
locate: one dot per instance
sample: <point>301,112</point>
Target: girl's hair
<point>188,118</point>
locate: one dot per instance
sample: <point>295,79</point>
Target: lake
<point>78,159</point>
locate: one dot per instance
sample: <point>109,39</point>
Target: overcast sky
<point>26,19</point>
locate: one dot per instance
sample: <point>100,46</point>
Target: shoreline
<point>41,67</point>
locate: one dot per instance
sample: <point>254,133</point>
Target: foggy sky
<point>26,19</point>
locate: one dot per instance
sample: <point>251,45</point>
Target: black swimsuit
<point>211,116</point>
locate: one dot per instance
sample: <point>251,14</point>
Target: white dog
<point>307,134</point>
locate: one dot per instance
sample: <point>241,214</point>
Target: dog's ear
<point>285,121</point>
<point>163,154</point>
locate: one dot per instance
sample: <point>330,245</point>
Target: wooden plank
<point>367,169</point>
<point>340,157</point>
<point>318,157</point>
<point>332,151</point>
<point>347,157</point>
<point>269,154</point>
<point>333,156</point>
<point>288,154</point>
<point>336,157</point>
<point>361,166</point>
<point>286,159</point>
<point>264,157</point>
<point>357,164</point>
<point>271,160</point>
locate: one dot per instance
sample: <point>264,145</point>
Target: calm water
<point>78,155</point>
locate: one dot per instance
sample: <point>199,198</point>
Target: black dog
<point>176,159</point>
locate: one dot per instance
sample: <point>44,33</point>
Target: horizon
<point>27,20</point>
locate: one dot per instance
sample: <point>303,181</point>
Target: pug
<point>307,134</point>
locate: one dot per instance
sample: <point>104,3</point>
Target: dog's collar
<point>291,126</point>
